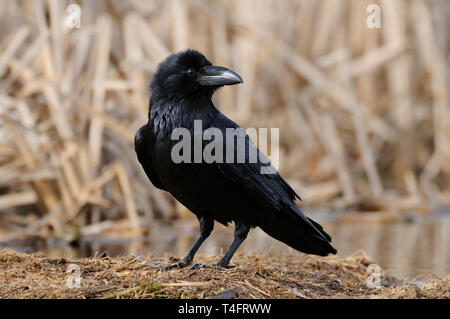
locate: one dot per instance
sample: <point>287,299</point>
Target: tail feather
<point>320,228</point>
<point>306,237</point>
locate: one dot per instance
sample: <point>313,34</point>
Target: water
<point>402,249</point>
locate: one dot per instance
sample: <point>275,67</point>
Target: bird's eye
<point>190,72</point>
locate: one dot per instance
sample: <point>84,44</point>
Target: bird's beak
<point>218,75</point>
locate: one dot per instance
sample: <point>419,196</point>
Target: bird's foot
<point>213,266</point>
<point>181,264</point>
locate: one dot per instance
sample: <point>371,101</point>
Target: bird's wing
<point>270,189</point>
<point>142,147</point>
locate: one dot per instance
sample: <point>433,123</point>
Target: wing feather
<point>270,189</point>
<point>142,147</point>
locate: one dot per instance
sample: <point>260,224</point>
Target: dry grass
<point>363,113</point>
<point>256,276</point>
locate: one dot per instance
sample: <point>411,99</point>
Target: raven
<point>223,190</point>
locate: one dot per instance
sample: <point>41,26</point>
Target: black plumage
<point>237,192</point>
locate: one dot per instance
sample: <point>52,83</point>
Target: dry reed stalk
<point>129,200</point>
<point>18,199</point>
<point>364,112</point>
<point>101,64</point>
<point>437,65</point>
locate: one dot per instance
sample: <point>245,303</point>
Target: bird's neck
<point>181,110</point>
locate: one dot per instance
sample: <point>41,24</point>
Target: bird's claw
<point>181,264</point>
<point>198,266</point>
<point>213,266</point>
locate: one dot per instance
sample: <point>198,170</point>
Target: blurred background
<point>363,113</point>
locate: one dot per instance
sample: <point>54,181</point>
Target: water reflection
<point>403,250</point>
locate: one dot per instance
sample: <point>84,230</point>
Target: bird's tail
<point>302,234</point>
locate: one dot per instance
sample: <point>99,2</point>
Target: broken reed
<point>363,112</point>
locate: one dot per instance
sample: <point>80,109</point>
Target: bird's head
<point>189,73</point>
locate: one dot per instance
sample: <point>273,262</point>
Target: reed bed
<point>363,113</point>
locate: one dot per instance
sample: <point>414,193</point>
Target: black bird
<point>181,92</point>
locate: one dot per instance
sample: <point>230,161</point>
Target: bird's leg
<point>206,227</point>
<point>240,234</point>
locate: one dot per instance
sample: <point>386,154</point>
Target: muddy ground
<point>255,276</point>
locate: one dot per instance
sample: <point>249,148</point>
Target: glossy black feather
<point>142,145</point>
<point>225,192</point>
